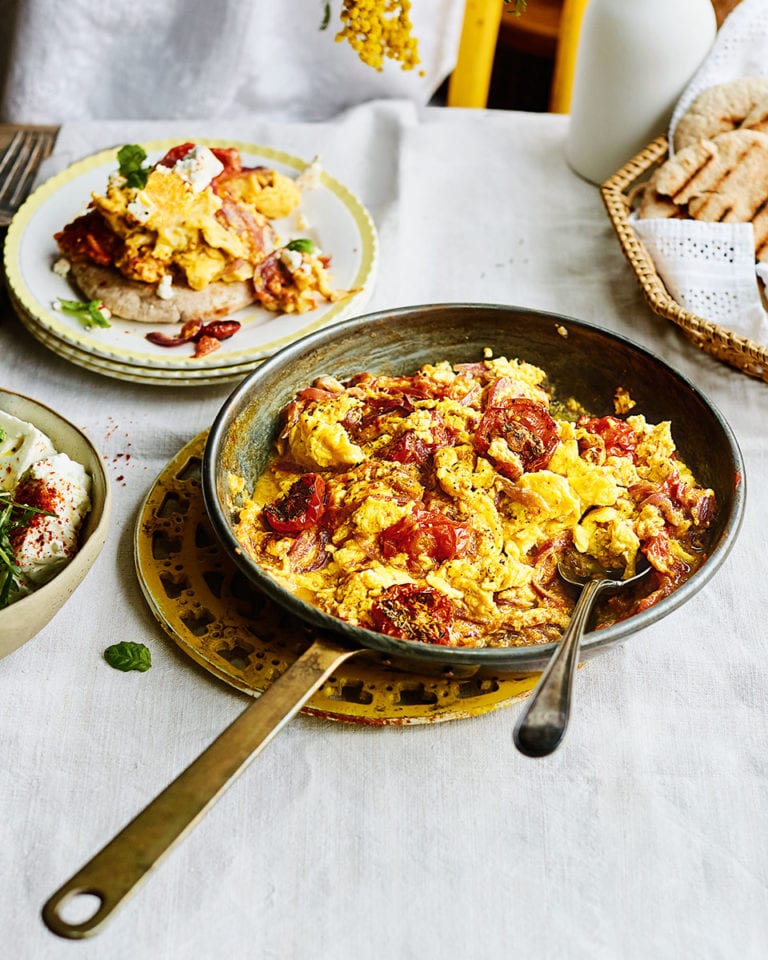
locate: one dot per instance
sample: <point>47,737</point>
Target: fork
<point>18,165</point>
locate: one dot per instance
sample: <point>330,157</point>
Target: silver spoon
<point>543,722</point>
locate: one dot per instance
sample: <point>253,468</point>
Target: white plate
<point>135,373</point>
<point>335,219</point>
<point>115,367</point>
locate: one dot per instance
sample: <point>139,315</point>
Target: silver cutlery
<point>18,165</point>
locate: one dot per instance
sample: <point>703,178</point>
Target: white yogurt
<point>37,475</point>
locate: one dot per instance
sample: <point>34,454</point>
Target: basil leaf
<point>128,655</point>
<point>301,245</point>
<point>131,158</point>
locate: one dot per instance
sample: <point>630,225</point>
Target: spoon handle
<point>543,722</point>
<point>120,867</point>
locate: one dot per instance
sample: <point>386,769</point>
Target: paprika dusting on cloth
<point>434,507</point>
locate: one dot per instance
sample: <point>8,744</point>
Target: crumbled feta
<point>164,289</point>
<point>198,167</point>
<point>309,178</point>
<point>59,490</point>
<point>291,258</point>
<point>62,267</point>
<point>48,543</point>
<point>140,212</point>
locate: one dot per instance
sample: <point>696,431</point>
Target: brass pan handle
<point>126,861</point>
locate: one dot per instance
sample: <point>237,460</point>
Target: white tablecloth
<point>644,835</point>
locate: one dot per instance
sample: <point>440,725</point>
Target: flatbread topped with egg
<point>191,237</point>
<point>135,300</point>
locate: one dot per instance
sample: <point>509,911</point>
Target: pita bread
<point>725,179</point>
<point>728,106</point>
<point>133,300</point>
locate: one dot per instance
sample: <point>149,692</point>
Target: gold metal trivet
<point>223,622</point>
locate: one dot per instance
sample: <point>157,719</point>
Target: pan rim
<point>500,658</point>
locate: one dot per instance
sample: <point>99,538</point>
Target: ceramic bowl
<point>583,361</point>
<point>22,620</point>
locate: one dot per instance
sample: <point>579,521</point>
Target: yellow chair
<point>470,81</point>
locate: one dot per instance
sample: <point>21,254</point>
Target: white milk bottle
<point>635,57</point>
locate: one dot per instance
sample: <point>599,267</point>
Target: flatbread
<point>133,300</point>
<point>741,103</point>
<point>719,180</point>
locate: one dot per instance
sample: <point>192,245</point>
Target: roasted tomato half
<point>619,438</point>
<point>527,429</point>
<point>300,508</point>
<point>410,612</point>
<point>425,534</point>
<point>228,156</point>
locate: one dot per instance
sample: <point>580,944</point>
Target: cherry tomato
<point>270,278</point>
<point>527,428</point>
<point>300,508</point>
<point>424,533</point>
<point>619,438</point>
<point>189,331</point>
<point>307,552</point>
<point>661,558</point>
<point>175,154</point>
<point>196,330</point>
<point>409,447</point>
<point>221,329</point>
<point>547,556</point>
<point>228,156</point>
<point>205,345</point>
<point>410,612</point>
<point>89,238</point>
<point>699,503</point>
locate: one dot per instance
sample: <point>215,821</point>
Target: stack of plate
<point>329,214</point>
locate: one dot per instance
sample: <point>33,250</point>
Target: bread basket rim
<point>724,344</point>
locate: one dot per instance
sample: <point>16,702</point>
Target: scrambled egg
<point>434,507</point>
<point>199,217</point>
<point>173,221</point>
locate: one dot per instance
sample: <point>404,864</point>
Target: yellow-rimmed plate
<point>329,214</point>
<point>136,373</point>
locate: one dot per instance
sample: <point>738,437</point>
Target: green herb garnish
<point>128,655</point>
<point>12,516</point>
<point>301,245</point>
<point>90,313</point>
<point>131,158</point>
<point>326,16</point>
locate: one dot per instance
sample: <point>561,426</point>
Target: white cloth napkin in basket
<point>709,268</point>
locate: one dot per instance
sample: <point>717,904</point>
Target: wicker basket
<point>617,192</point>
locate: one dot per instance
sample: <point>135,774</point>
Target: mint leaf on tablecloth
<point>128,655</point>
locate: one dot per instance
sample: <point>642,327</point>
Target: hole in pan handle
<point>126,861</point>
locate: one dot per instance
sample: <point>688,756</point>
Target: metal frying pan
<point>581,360</point>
